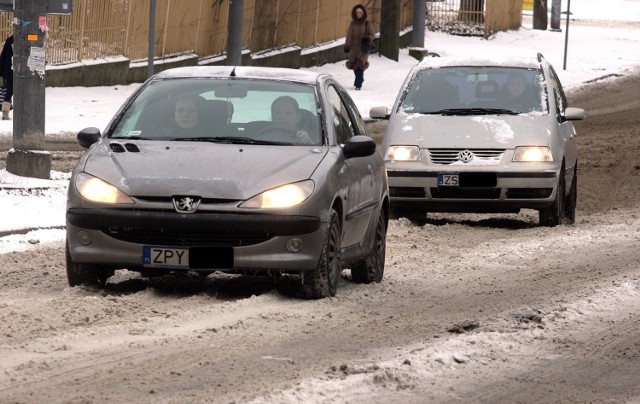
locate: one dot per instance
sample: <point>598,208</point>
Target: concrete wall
<point>122,71</point>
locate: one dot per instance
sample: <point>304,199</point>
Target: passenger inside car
<point>189,116</point>
<point>516,92</point>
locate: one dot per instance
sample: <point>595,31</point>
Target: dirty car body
<point>482,136</point>
<point>239,195</point>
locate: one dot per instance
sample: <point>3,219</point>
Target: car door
<point>369,189</point>
<point>567,130</point>
<point>355,173</point>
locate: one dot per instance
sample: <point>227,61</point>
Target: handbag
<point>3,93</point>
<point>369,47</point>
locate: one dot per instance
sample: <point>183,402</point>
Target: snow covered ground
<point>551,313</point>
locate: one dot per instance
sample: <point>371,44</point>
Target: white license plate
<point>156,257</point>
<point>448,180</point>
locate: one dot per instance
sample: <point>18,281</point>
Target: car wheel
<point>554,214</point>
<point>323,281</point>
<point>371,269</point>
<point>571,200</point>
<point>91,275</point>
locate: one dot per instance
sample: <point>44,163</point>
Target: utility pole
<point>417,33</point>
<point>555,15</point>
<point>234,32</point>
<point>152,38</point>
<point>28,158</point>
<point>419,14</point>
<point>540,18</point>
<point>389,28</point>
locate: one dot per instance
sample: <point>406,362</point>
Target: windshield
<point>475,91</point>
<point>223,110</point>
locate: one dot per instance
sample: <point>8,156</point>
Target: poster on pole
<point>36,60</point>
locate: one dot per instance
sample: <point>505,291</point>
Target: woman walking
<point>360,32</point>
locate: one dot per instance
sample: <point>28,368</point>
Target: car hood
<point>208,170</point>
<point>482,131</point>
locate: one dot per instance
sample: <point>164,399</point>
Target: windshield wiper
<point>472,111</point>
<point>228,139</point>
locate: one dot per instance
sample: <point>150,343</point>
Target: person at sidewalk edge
<point>360,31</point>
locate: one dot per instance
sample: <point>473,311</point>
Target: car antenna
<point>233,72</point>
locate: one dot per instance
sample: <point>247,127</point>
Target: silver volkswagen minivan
<point>483,136</point>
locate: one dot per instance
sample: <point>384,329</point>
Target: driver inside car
<point>285,112</point>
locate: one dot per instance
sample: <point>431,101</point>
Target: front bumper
<point>480,190</point>
<point>243,241</point>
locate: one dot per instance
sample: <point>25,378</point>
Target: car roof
<point>267,73</point>
<point>500,61</point>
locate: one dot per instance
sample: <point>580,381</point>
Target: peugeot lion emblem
<point>185,204</point>
<point>465,156</point>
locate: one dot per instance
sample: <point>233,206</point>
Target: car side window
<point>560,97</point>
<point>359,126</point>
<point>340,119</point>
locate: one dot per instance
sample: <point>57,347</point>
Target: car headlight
<point>532,153</point>
<point>284,196</point>
<point>96,190</point>
<point>402,153</point>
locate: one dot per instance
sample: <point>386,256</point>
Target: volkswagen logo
<point>465,156</point>
<point>186,204</point>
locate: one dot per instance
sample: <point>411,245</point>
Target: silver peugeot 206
<point>265,171</point>
<point>484,136</point>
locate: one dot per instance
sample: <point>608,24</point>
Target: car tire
<point>323,281</point>
<point>90,275</point>
<point>371,269</point>
<point>571,200</point>
<point>554,214</point>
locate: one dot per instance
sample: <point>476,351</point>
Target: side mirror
<point>574,114</point>
<point>379,113</point>
<point>359,146</point>
<point>88,136</point>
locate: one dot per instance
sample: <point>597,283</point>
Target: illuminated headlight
<point>282,197</point>
<point>532,153</point>
<point>402,153</point>
<point>96,190</point>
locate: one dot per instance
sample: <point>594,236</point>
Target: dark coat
<point>359,30</point>
<point>6,67</point>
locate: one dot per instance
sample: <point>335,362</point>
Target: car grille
<point>465,193</point>
<point>449,156</point>
<point>160,236</point>
<point>407,192</point>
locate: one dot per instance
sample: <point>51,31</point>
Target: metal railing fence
<point>474,17</point>
<point>103,29</point>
